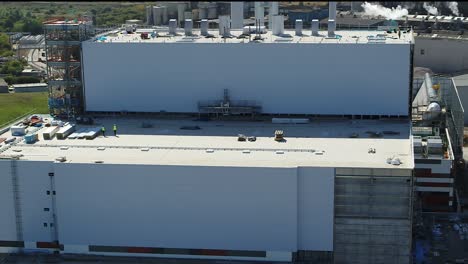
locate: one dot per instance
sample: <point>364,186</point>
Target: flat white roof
<point>347,37</point>
<point>320,143</point>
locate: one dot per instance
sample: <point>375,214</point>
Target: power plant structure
<point>254,143</point>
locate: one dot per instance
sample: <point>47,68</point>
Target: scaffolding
<point>63,38</point>
<point>229,107</point>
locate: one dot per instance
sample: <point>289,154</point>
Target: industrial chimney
<point>331,28</point>
<point>331,19</point>
<point>278,25</point>
<point>188,25</point>
<point>237,15</point>
<point>315,27</point>
<point>172,26</point>
<point>273,11</point>
<point>204,27</point>
<point>225,26</point>
<point>298,26</point>
<point>260,13</point>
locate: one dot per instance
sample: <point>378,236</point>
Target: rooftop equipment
<point>279,135</point>
<point>332,10</point>
<point>331,28</point>
<point>225,26</point>
<point>260,13</point>
<point>298,27</point>
<point>417,145</point>
<point>237,15</point>
<point>172,26</point>
<point>188,25</point>
<point>315,27</point>
<point>278,25</point>
<point>204,27</point>
<point>271,13</point>
<point>434,145</point>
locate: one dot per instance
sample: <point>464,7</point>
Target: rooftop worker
<point>103,130</point>
<point>115,130</point>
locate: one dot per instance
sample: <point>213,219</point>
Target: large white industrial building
<point>333,191</point>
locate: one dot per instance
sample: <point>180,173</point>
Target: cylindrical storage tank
<point>272,12</point>
<point>225,25</point>
<point>188,25</point>
<point>180,11</point>
<point>187,15</point>
<point>149,15</point>
<point>172,26</point>
<point>204,27</point>
<point>195,15</point>
<point>237,15</point>
<point>212,11</point>
<point>165,17</point>
<point>202,13</point>
<point>278,25</point>
<point>157,15</point>
<point>331,27</point>
<point>259,13</point>
<point>315,27</point>
<point>298,27</point>
<point>332,10</point>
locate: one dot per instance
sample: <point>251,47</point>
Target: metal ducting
<point>204,27</point>
<point>173,26</point>
<point>188,26</point>
<point>331,28</point>
<point>315,27</point>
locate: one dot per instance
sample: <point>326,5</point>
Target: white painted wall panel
<point>7,219</point>
<point>34,182</point>
<point>286,78</point>
<point>315,208</point>
<point>177,207</point>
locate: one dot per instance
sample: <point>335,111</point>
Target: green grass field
<point>15,105</point>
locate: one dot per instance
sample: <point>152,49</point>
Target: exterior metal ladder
<point>17,199</point>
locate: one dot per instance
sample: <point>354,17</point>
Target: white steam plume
<point>375,10</point>
<point>454,7</point>
<point>430,9</point>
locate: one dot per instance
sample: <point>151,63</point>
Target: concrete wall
<point>441,55</point>
<point>7,219</point>
<point>286,78</point>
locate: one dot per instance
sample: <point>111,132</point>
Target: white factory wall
<point>286,78</point>
<point>7,219</point>
<point>195,207</point>
<point>441,55</point>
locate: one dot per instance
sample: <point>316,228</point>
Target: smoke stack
<point>260,13</point>
<point>331,28</point>
<point>172,26</point>
<point>271,13</point>
<point>315,27</point>
<point>278,25</point>
<point>299,27</point>
<point>225,26</point>
<point>237,15</point>
<point>188,25</point>
<point>332,11</point>
<point>204,27</point>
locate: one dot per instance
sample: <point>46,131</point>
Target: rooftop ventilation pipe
<point>224,26</point>
<point>172,26</point>
<point>315,27</point>
<point>298,26</point>
<point>278,25</point>
<point>271,13</point>
<point>331,10</point>
<point>157,15</point>
<point>204,27</point>
<point>331,28</point>
<point>237,15</point>
<point>260,13</point>
<point>188,25</point>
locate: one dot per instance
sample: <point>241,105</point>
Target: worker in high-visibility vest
<point>115,130</point>
<point>103,130</point>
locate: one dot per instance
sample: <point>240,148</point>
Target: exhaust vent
<point>172,26</point>
<point>225,26</point>
<point>278,25</point>
<point>331,28</point>
<point>204,27</point>
<point>298,27</point>
<point>188,25</point>
<point>315,27</point>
